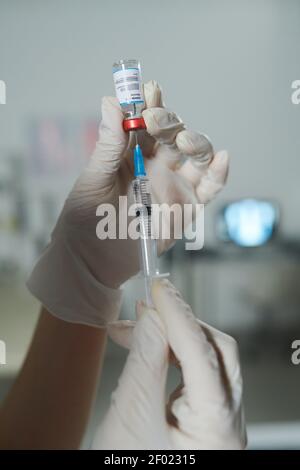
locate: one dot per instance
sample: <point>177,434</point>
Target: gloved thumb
<point>138,404</point>
<point>112,142</point>
<point>121,331</point>
<point>197,357</point>
<point>145,371</point>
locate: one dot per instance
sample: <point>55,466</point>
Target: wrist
<point>65,286</point>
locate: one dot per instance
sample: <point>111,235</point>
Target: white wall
<point>226,68</point>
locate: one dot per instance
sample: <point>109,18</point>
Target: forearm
<point>50,402</point>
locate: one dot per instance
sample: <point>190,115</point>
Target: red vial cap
<point>134,124</point>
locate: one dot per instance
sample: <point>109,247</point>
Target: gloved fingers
<point>200,152</point>
<point>176,142</point>
<point>153,98</point>
<point>177,393</point>
<point>121,331</point>
<point>199,360</point>
<point>170,155</point>
<point>153,95</point>
<point>214,178</point>
<point>164,125</point>
<point>223,343</point>
<point>143,379</point>
<point>111,144</point>
<point>167,186</point>
<point>228,358</point>
<point>140,307</point>
<point>137,411</point>
<point>197,147</point>
<point>227,350</point>
<point>170,192</point>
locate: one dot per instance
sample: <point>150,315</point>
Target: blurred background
<point>226,68</point>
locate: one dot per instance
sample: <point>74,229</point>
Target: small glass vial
<point>129,91</point>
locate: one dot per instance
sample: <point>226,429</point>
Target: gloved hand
<point>204,412</point>
<point>78,276</point>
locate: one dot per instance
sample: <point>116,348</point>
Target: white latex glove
<point>204,412</point>
<point>78,276</point>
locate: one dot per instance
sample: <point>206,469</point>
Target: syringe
<point>148,245</point>
<point>129,91</point>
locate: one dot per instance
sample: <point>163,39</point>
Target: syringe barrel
<point>148,257</point>
<point>148,245</point>
<point>129,91</point>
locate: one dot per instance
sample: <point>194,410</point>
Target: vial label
<point>128,86</point>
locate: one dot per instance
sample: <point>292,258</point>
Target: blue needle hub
<point>138,160</point>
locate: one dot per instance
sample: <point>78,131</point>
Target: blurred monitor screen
<point>248,222</point>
